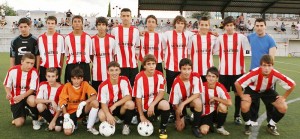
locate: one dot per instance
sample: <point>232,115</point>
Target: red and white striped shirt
<point>151,43</point>
<point>182,90</point>
<point>127,40</point>
<point>231,53</point>
<point>219,91</point>
<point>20,82</point>
<point>147,88</point>
<point>78,48</point>
<point>51,49</point>
<point>110,94</point>
<point>47,92</point>
<point>257,82</point>
<point>201,48</point>
<point>103,51</point>
<point>175,45</point>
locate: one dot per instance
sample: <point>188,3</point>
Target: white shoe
<point>36,125</point>
<point>119,121</point>
<point>134,120</point>
<point>126,130</point>
<point>222,131</point>
<point>93,131</point>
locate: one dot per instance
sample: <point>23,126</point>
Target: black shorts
<point>75,118</point>
<point>158,67</point>
<point>59,121</point>
<point>43,74</point>
<point>130,73</point>
<point>268,96</point>
<point>18,109</point>
<point>228,81</point>
<point>184,111</point>
<point>84,66</point>
<point>95,85</point>
<point>117,112</point>
<point>156,111</point>
<point>209,119</point>
<point>170,76</point>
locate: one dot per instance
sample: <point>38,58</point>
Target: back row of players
<point>170,47</point>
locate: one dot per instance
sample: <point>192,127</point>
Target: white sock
<point>92,117</point>
<point>272,123</point>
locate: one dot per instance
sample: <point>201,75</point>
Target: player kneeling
<point>259,84</point>
<point>185,92</point>
<point>215,102</point>
<point>20,84</point>
<point>149,89</point>
<point>114,94</point>
<point>74,102</point>
<point>47,100</point>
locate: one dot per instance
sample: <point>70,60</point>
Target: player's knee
<point>95,104</point>
<point>204,129</point>
<point>222,108</point>
<point>31,101</point>
<point>19,122</point>
<point>129,105</point>
<point>68,132</point>
<point>58,128</point>
<point>197,104</point>
<point>282,108</point>
<point>41,107</point>
<point>101,116</point>
<point>164,105</point>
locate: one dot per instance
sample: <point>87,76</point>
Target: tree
<point>108,12</point>
<point>9,11</point>
<point>200,14</point>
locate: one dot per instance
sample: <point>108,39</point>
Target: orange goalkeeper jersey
<point>71,97</point>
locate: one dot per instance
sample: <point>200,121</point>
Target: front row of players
<point>62,105</point>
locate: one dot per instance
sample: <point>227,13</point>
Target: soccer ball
<point>145,129</point>
<point>106,129</point>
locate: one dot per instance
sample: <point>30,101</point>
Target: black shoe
<point>196,132</point>
<point>84,121</point>
<point>272,130</point>
<point>247,129</point>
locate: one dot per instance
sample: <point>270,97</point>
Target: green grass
<point>288,126</point>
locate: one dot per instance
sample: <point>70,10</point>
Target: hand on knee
<point>197,104</point>
<point>41,107</point>
<point>222,108</point>
<point>68,132</point>
<point>204,129</point>
<point>58,128</point>
<point>95,104</point>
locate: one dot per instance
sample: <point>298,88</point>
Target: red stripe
<point>175,50</point>
<point>199,44</point>
<point>58,93</point>
<point>130,45</point>
<point>18,82</point>
<point>121,44</point>
<point>209,51</point>
<point>216,95</point>
<point>55,50</point>
<point>107,47</point>
<point>82,47</point>
<point>242,60</point>
<point>259,82</point>
<point>146,90</point>
<point>235,48</point>
<point>146,43</point>
<point>73,46</point>
<point>172,90</point>
<point>49,91</point>
<point>156,46</point>
<point>119,90</point>
<point>45,42</point>
<point>169,55</point>
<point>225,40</point>
<point>183,48</point>
<point>99,89</point>
<point>28,79</point>
<point>206,95</point>
<point>182,89</point>
<point>98,59</point>
<point>111,94</point>
<point>193,52</point>
<point>138,76</point>
<point>270,80</point>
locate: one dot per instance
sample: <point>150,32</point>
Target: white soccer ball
<point>145,129</point>
<point>106,129</point>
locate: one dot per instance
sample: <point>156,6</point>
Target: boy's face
<point>150,66</point>
<point>211,78</point>
<point>77,24</point>
<point>260,28</point>
<point>204,25</point>
<point>51,77</point>
<point>229,28</point>
<point>126,17</point>
<point>266,68</point>
<point>27,64</point>
<point>101,27</point>
<point>179,25</point>
<point>114,72</point>
<point>51,24</point>
<point>151,23</point>
<point>185,71</point>
<point>76,81</point>
<point>24,29</point>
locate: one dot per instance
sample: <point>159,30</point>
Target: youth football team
<point>116,87</point>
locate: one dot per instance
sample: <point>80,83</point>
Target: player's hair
<point>113,64</point>
<point>24,20</point>
<point>151,16</point>
<point>228,19</point>
<point>204,18</point>
<point>179,18</point>
<point>77,17</point>
<point>213,70</point>
<point>125,10</point>
<point>148,58</point>
<point>184,62</point>
<point>28,56</point>
<point>101,20</point>
<point>260,20</point>
<point>52,18</point>
<point>52,70</point>
<point>267,59</point>
<point>77,72</point>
